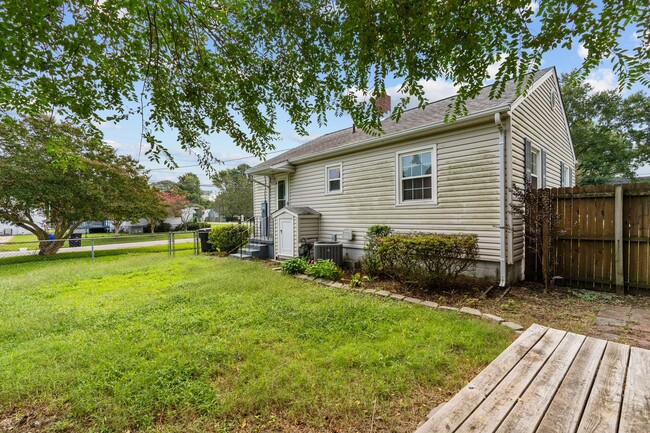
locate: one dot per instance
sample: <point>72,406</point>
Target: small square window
<point>334,175</point>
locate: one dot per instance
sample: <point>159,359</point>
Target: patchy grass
<point>148,343</point>
<point>565,308</point>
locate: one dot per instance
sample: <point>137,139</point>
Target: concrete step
<point>258,251</point>
<point>241,257</point>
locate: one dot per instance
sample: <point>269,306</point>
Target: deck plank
<point>489,415</point>
<point>469,398</point>
<point>603,408</point>
<point>532,405</point>
<point>635,414</point>
<point>574,391</point>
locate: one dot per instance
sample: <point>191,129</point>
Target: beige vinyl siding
<point>309,228</point>
<point>545,125</point>
<point>467,190</point>
<point>259,195</point>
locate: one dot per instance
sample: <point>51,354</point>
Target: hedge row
<point>427,260</point>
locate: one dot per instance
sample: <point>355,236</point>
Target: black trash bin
<point>75,240</point>
<point>203,238</point>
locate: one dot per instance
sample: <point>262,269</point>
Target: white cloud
<point>438,89</point>
<point>534,6</point>
<point>300,138</point>
<point>602,79</point>
<point>117,145</point>
<point>108,125</point>
<point>493,69</point>
<point>583,52</point>
<point>434,90</point>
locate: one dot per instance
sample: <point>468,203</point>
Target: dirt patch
<point>32,420</point>
<point>571,309</point>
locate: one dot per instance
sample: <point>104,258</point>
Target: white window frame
<point>433,148</point>
<point>327,179</point>
<point>566,175</point>
<point>536,155</point>
<point>284,178</point>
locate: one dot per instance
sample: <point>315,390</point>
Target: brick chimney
<point>383,104</point>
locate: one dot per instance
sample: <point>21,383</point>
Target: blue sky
<point>125,136</point>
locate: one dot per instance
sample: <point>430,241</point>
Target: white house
<point>424,174</point>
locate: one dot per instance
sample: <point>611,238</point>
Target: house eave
<point>280,168</point>
<point>374,141</point>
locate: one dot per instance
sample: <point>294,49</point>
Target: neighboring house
<point>424,174</point>
<point>212,215</point>
<point>7,229</point>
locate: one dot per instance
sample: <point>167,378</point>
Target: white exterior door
<point>286,237</point>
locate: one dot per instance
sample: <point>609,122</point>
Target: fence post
<point>92,250</point>
<point>169,244</point>
<point>618,240</point>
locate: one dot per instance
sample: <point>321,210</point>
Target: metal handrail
<point>250,223</point>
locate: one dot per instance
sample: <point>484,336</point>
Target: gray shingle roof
<point>300,210</point>
<point>432,113</point>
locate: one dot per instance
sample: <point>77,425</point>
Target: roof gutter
<point>383,139</point>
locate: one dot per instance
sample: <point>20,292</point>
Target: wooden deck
<point>552,381</point>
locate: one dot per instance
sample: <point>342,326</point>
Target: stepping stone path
<point>623,323</point>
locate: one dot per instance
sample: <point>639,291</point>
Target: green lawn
<point>150,343</point>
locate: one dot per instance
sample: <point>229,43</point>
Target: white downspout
<point>502,199</point>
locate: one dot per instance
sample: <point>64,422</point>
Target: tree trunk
<point>47,247</point>
<point>116,227</point>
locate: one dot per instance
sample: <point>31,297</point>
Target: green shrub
<point>369,262</point>
<point>294,266</point>
<point>356,280</point>
<point>325,269</point>
<point>228,238</point>
<point>427,260</point>
<point>193,225</point>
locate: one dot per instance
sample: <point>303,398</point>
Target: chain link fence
<point>26,248</point>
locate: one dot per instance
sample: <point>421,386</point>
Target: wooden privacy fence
<point>604,240</point>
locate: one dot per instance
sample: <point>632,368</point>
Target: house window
<point>534,168</point>
<point>282,193</point>
<point>535,165</point>
<point>334,175</point>
<point>566,175</point>
<point>416,181</point>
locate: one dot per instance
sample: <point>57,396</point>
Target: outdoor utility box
<point>329,250</point>
<point>75,240</point>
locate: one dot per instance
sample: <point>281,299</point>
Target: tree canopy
<point>202,67</point>
<point>93,184</point>
<point>235,196</point>
<point>610,131</point>
<point>188,184</point>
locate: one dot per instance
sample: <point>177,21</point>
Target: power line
<point>225,160</point>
